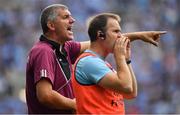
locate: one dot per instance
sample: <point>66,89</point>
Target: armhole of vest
<point>75,69</point>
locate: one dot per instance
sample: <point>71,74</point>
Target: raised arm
<point>146,36</point>
<point>84,45</point>
<point>121,81</point>
<point>133,94</point>
<point>134,85</point>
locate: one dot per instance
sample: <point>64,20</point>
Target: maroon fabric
<point>42,63</point>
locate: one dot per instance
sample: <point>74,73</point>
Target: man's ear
<point>101,35</point>
<point>50,25</point>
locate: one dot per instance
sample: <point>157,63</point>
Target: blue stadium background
<point>157,69</point>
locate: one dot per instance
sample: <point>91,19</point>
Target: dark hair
<point>98,23</point>
<point>49,13</point>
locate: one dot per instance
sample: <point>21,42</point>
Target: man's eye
<point>66,16</point>
<point>117,31</point>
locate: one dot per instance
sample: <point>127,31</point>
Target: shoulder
<point>90,62</point>
<point>72,44</point>
<point>92,69</point>
<point>42,47</point>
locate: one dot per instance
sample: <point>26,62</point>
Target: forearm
<point>134,35</point>
<point>123,74</point>
<point>56,100</point>
<point>134,84</point>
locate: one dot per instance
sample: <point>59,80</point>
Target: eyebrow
<point>67,15</point>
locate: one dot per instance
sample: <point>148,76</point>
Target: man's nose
<point>72,20</point>
<point>119,35</point>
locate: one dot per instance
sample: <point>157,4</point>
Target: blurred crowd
<point>156,68</point>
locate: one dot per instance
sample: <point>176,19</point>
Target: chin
<point>70,38</point>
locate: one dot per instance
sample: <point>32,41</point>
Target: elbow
<point>131,92</point>
<point>44,99</point>
<point>130,96</point>
<point>133,95</point>
<point>128,90</point>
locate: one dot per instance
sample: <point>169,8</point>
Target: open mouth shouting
<point>70,30</point>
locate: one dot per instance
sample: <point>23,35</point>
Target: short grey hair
<point>49,13</point>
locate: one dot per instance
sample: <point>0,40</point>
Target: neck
<point>99,49</point>
<point>54,38</point>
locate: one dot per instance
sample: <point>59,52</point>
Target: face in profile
<point>63,25</point>
<point>113,32</point>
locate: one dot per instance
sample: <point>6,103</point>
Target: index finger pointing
<point>161,32</point>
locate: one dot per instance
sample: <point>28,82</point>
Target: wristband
<point>128,62</point>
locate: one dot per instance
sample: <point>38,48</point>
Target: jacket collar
<point>54,44</point>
